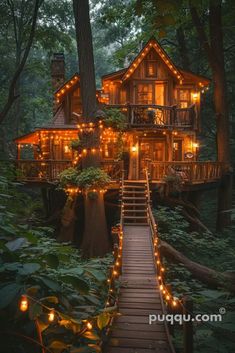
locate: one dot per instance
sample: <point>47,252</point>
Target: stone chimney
<point>57,74</point>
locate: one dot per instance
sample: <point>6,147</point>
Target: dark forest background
<point>120,28</point>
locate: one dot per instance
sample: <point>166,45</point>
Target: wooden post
<point>188,325</point>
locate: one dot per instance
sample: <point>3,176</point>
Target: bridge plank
<point>139,297</point>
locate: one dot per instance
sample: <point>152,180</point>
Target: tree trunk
<point>214,50</point>
<point>183,50</point>
<point>95,237</point>
<point>202,273</point>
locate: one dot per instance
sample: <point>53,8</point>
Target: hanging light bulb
<point>51,315</point>
<point>24,303</point>
<point>89,325</point>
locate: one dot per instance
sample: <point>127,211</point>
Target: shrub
<point>115,119</point>
<point>93,178</point>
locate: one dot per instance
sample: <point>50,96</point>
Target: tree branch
<point>11,94</point>
<point>202,273</point>
<point>202,34</point>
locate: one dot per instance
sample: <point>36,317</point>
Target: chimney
<point>57,73</point>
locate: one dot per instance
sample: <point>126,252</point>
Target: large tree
<point>95,237</point>
<point>214,49</point>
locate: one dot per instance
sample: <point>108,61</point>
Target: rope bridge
<point>142,288</point>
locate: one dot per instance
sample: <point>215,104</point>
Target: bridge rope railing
<point>116,270</point>
<point>175,305</point>
<point>168,297</point>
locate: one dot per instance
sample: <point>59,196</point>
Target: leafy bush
<point>75,144</point>
<point>115,119</point>
<point>68,177</point>
<point>89,178</point>
<point>33,263</point>
<point>93,178</point>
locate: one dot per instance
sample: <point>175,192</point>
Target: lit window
<point>151,69</point>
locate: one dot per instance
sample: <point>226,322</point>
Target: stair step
<point>140,211</point>
<point>134,192</point>
<point>134,197</point>
<point>134,204</point>
<point>135,217</point>
<point>135,224</point>
<point>134,186</point>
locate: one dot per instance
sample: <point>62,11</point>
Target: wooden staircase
<point>134,203</point>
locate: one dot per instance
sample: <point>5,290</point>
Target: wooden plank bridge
<point>139,294</point>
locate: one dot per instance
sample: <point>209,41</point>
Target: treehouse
<point>161,105</point>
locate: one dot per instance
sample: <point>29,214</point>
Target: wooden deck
<point>139,297</point>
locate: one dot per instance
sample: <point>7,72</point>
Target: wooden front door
<point>150,150</point>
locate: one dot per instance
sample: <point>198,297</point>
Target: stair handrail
<point>151,220</point>
<point>121,196</point>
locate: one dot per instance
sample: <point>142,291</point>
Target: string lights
<point>153,44</point>
<point>87,325</point>
<point>168,297</point>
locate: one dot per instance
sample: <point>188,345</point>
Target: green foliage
<point>75,144</point>
<point>55,274</point>
<point>93,178</point>
<point>68,177</point>
<point>115,119</point>
<point>89,178</point>
<point>213,250</point>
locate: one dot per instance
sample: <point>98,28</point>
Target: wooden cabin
<point>161,103</point>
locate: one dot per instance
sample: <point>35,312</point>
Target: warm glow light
<point>51,315</point>
<point>195,145</point>
<point>24,304</point>
<point>89,325</point>
<point>195,96</point>
<point>133,148</point>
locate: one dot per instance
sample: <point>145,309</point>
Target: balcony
<point>49,170</point>
<point>189,172</point>
<point>159,116</point>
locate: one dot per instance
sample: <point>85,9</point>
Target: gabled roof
<point>192,77</point>
<point>67,86</point>
<point>180,74</point>
<point>153,44</point>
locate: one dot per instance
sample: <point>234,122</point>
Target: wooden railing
<point>49,170</point>
<point>113,169</point>
<point>159,115</point>
<point>38,170</point>
<point>188,172</point>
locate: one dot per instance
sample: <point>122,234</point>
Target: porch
<point>189,172</point>
<point>159,116</point>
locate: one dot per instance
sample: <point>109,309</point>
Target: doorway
<point>177,150</point>
<point>150,150</point>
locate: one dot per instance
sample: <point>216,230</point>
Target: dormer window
<point>151,69</point>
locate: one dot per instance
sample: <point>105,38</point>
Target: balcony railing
<point>188,172</point>
<point>159,116</point>
<point>38,170</point>
<point>49,170</point>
